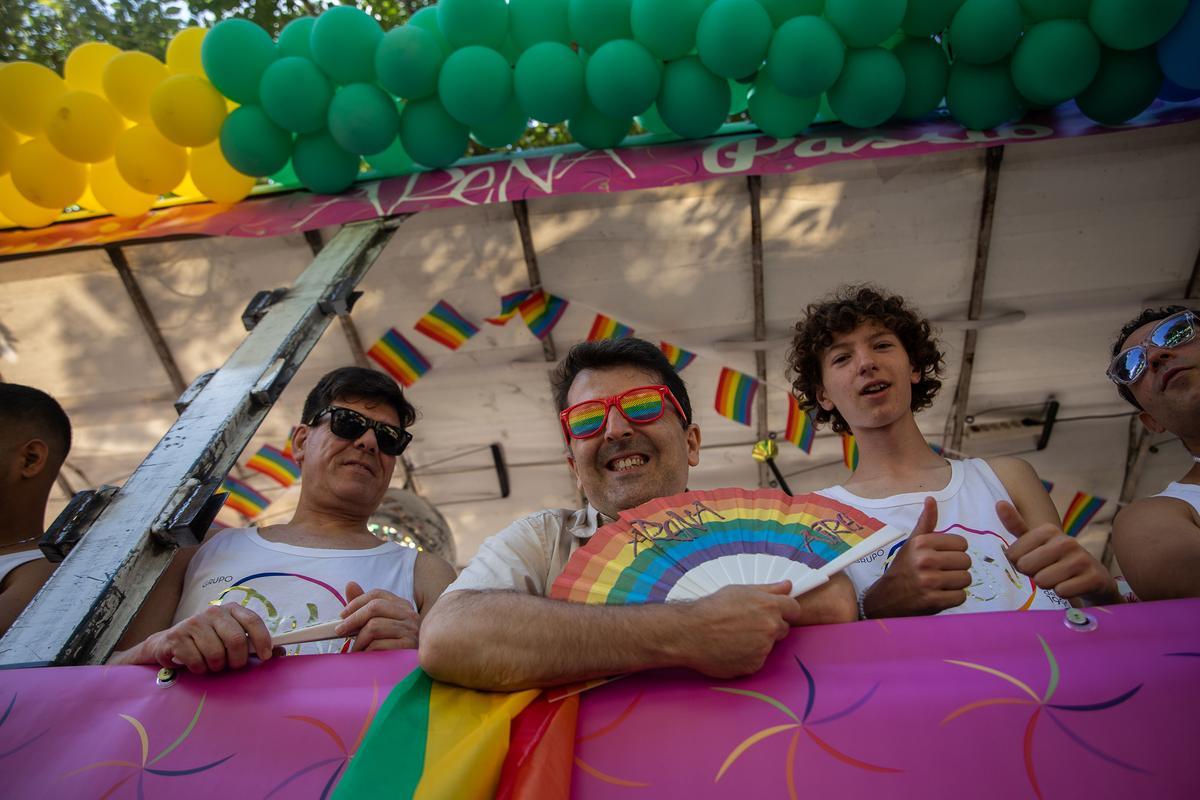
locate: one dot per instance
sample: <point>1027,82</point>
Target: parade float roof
<point>1089,225</point>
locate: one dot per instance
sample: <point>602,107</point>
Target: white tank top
<point>288,586</point>
<point>1187,492</point>
<point>967,507</point>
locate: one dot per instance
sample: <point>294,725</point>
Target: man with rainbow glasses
<point>627,421</point>
<point>1156,367</point>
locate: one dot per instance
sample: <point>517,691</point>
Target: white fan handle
<point>881,538</point>
<point>313,633</point>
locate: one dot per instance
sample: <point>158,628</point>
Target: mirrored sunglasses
<point>1173,331</point>
<point>641,406</point>
<point>346,423</point>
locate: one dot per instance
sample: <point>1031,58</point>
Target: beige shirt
<point>530,553</point>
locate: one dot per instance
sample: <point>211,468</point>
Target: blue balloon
<point>1179,50</point>
<point>1174,93</point>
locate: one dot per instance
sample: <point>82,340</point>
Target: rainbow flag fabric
<point>275,464</point>
<point>399,358</point>
<point>1083,507</point>
<point>287,447</point>
<point>542,311</point>
<point>1048,486</point>
<point>849,452</point>
<point>735,395</point>
<point>446,326</point>
<point>678,357</point>
<point>800,430</point>
<point>243,498</point>
<point>509,304</point>
<point>607,328</point>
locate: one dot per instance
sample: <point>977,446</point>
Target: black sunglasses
<point>349,424</point>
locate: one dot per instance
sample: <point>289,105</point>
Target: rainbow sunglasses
<point>640,405</point>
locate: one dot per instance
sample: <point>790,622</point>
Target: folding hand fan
<point>690,545</point>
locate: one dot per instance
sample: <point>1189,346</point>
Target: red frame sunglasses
<point>629,410</point>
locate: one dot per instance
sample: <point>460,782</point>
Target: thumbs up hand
<point>1055,560</point>
<point>929,574</point>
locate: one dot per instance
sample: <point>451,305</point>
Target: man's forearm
<point>508,641</point>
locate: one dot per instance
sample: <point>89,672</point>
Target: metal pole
<point>754,183</point>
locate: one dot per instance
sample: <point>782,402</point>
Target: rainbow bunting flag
<point>849,452</point>
<point>735,395</point>
<point>509,304</point>
<point>1048,486</point>
<point>800,430</point>
<point>678,357</point>
<point>1080,512</point>
<point>542,311</point>
<point>243,498</point>
<point>399,358</point>
<point>275,464</point>
<point>937,448</point>
<point>287,448</point>
<point>608,328</point>
<point>446,326</point>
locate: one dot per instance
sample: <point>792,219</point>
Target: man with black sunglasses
<point>219,604</point>
<point>1156,367</point>
<point>627,421</point>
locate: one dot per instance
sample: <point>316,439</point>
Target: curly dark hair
<point>610,353</point>
<point>1147,315</point>
<point>848,308</point>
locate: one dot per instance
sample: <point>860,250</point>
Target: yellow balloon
<point>27,94</point>
<point>129,80</point>
<point>187,188</point>
<point>20,210</point>
<point>8,144</point>
<point>215,179</point>
<point>111,193</point>
<point>148,162</point>
<point>85,66</point>
<point>46,177</point>
<point>187,110</point>
<point>84,127</point>
<point>183,53</point>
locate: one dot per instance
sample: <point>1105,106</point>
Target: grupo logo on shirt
<point>286,601</point>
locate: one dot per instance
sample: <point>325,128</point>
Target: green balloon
<point>362,118</point>
<point>235,54</point>
<point>295,94</point>
<point>322,166</point>
<point>294,39</point>
<point>473,22</point>
<point>1125,86</point>
<point>1055,61</point>
<point>427,20</point>
<point>504,130</point>
<point>667,28</point>
<point>510,51</point>
<point>778,114</point>
<point>1041,10</point>
<point>925,73</point>
<point>693,102</point>
<point>475,85</point>
<point>622,78</point>
<point>286,176</point>
<point>407,62</point>
<point>870,89</point>
<point>739,94</point>
<point>865,23</point>
<point>343,44</point>
<point>733,36</point>
<point>781,11</point>
<point>253,144</point>
<point>982,96</point>
<point>594,22</point>
<point>652,122</point>
<point>1132,24</point>
<point>391,161</point>
<point>928,17</point>
<point>533,21</point>
<point>985,31</point>
<point>805,57</point>
<point>430,135</point>
<point>595,131</point>
<point>548,82</point>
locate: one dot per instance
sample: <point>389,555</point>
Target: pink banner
<point>985,705</point>
<point>571,171</point>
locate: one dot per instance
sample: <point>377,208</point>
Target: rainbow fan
<point>692,544</point>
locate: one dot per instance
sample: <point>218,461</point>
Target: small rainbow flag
<point>398,357</point>
<point>275,464</point>
<point>849,452</point>
<point>243,498</point>
<point>509,304</point>
<point>678,357</point>
<point>542,311</point>
<point>937,448</point>
<point>287,448</point>
<point>1048,486</point>
<point>446,326</point>
<point>800,430</point>
<point>608,328</point>
<point>1080,512</point>
<point>735,395</point>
